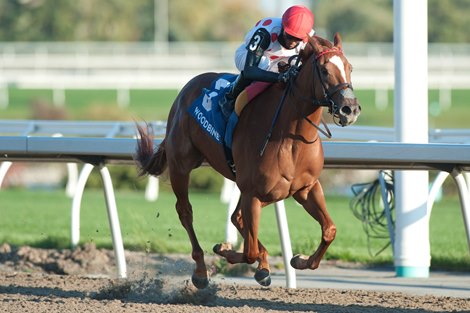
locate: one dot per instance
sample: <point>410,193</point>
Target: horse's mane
<point>315,45</point>
<point>324,42</point>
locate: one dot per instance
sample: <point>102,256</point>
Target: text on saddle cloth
<point>206,111</point>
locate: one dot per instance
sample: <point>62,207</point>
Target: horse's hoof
<point>200,282</point>
<point>262,277</point>
<point>220,247</point>
<point>217,248</point>
<point>299,262</point>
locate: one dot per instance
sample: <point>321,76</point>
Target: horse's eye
<point>324,71</point>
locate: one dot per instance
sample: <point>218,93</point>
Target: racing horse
<point>268,168</point>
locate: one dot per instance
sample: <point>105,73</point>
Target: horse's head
<point>331,78</point>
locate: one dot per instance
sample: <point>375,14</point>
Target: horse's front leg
<point>253,250</point>
<point>314,203</point>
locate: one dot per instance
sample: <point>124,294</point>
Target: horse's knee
<point>329,234</point>
<point>251,256</point>
<point>236,219</point>
<point>185,212</point>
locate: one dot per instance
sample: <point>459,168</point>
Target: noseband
<point>345,88</point>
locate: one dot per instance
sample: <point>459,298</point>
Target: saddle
<point>249,94</point>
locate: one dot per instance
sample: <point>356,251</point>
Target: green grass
<point>155,105</point>
<point>454,116</point>
<point>92,104</point>
<point>42,218</point>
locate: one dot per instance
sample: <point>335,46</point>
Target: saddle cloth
<point>206,111</point>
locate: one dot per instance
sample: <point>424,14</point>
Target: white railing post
<point>412,256</point>
<point>231,232</point>
<point>4,167</point>
<point>435,189</point>
<point>72,179</point>
<point>464,200</point>
<point>291,281</point>
<point>152,189</point>
<point>76,203</point>
<point>114,221</point>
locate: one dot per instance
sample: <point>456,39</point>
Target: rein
<point>278,110</point>
<point>327,101</point>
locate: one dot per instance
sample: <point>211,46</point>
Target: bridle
<point>328,93</point>
<point>327,101</point>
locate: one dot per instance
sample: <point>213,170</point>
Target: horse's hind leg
<point>262,273</point>
<point>179,183</point>
<point>314,203</point>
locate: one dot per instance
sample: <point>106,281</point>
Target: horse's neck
<point>299,117</point>
<point>300,109</point>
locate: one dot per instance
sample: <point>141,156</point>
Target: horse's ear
<point>338,42</point>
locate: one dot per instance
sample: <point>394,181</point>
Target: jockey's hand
<point>291,73</point>
<point>283,66</point>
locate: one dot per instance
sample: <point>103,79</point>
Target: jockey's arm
<point>256,47</point>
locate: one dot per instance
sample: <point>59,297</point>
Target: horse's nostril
<point>346,110</point>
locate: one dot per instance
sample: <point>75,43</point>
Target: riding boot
<point>227,103</point>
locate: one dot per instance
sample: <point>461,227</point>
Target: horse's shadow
<point>270,305</point>
<point>205,298</point>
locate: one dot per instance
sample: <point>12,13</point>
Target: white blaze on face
<point>336,60</point>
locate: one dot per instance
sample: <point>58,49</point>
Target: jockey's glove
<point>282,66</point>
<point>289,74</point>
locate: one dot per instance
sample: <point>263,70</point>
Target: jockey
<point>267,47</point>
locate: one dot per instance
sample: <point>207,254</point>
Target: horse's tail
<point>148,160</point>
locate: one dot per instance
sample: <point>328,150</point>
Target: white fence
<point>124,66</point>
<point>97,144</point>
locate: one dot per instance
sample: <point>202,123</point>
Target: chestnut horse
<point>290,164</point>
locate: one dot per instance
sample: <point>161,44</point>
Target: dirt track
<point>28,283</point>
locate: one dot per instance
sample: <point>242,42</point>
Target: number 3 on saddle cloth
<point>206,111</point>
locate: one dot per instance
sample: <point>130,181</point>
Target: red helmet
<point>298,21</point>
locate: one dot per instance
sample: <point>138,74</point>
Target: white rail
<point>28,145</point>
<point>139,65</point>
